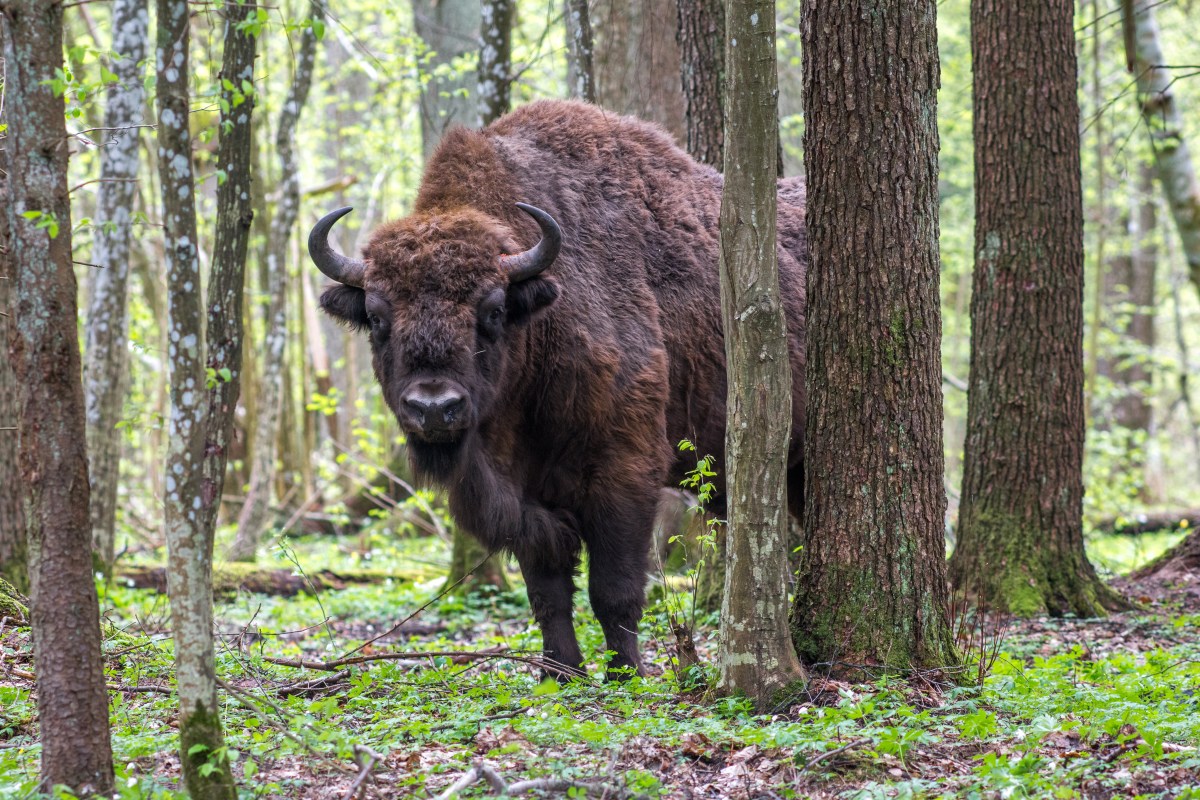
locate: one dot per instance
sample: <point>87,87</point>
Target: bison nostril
<point>434,409</point>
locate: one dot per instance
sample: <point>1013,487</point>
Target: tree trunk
<point>253,516</point>
<point>636,61</point>
<point>1020,539</point>
<point>227,276</point>
<point>64,612</point>
<point>450,29</point>
<point>189,540</point>
<point>581,74</point>
<point>701,33</point>
<point>106,372</point>
<point>756,656</point>
<point>13,559</point>
<point>1134,410</point>
<point>1161,113</point>
<point>495,59</point>
<point>872,584</point>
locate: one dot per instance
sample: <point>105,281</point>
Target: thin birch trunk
<point>756,656</point>
<point>253,516</point>
<point>495,59</point>
<point>106,370</point>
<point>64,612</point>
<point>581,75</point>
<point>1176,171</point>
<point>189,539</point>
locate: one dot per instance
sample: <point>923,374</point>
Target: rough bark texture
<point>13,560</point>
<point>1020,544</point>
<point>756,656</point>
<point>701,34</point>
<point>189,539</point>
<point>65,615</point>
<point>106,371</point>
<point>450,29</point>
<point>1172,157</point>
<point>636,61</point>
<point>253,516</point>
<point>227,276</point>
<point>581,74</point>
<point>495,59</point>
<point>872,584</point>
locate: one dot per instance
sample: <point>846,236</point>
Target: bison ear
<point>346,304</point>
<point>527,298</point>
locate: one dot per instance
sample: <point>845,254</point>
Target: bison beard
<point>545,389</point>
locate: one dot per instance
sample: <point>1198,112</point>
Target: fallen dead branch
<point>307,688</point>
<point>828,754</point>
<point>458,656</point>
<point>276,582</point>
<point>483,771</point>
<point>367,759</point>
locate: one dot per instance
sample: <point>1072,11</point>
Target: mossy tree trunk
<point>1020,539</point>
<point>872,583</point>
<point>188,494</point>
<point>756,656</point>
<point>72,701</point>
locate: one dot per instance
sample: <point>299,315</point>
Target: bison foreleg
<point>552,597</point>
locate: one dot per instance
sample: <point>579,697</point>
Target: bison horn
<point>349,271</point>
<point>535,260</point>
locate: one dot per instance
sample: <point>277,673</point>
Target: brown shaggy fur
<point>578,395</point>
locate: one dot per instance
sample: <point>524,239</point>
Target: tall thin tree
<point>701,36</point>
<point>450,31</point>
<point>13,556</point>
<point>65,614</point>
<point>872,582</point>
<point>107,354</point>
<point>1164,122</point>
<point>756,656</point>
<point>581,72</point>
<point>495,59</point>
<point>201,407</point>
<point>253,516</point>
<point>1020,534</point>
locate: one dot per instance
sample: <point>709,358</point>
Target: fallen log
<point>1150,522</point>
<point>231,578</point>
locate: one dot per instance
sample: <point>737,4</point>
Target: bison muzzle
<point>546,327</point>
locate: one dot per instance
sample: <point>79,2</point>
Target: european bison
<point>545,359</point>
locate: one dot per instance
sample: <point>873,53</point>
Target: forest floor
<point>1070,708</point>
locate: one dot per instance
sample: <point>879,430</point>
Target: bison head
<point>439,293</point>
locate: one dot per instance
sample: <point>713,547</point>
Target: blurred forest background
<point>388,78</point>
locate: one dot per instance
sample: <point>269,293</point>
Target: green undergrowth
<point>1055,718</point>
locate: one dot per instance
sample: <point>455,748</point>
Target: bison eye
<point>492,314</point>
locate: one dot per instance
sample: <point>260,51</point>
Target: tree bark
<point>756,655</point>
<point>581,74</point>
<point>253,516</point>
<point>1020,545</point>
<point>701,33</point>
<point>189,539</point>
<point>636,61</point>
<point>495,59</point>
<point>872,583</point>
<point>13,556</point>
<point>64,612</point>
<point>106,371</point>
<point>227,275</point>
<point>450,29</point>
<point>1172,157</point>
